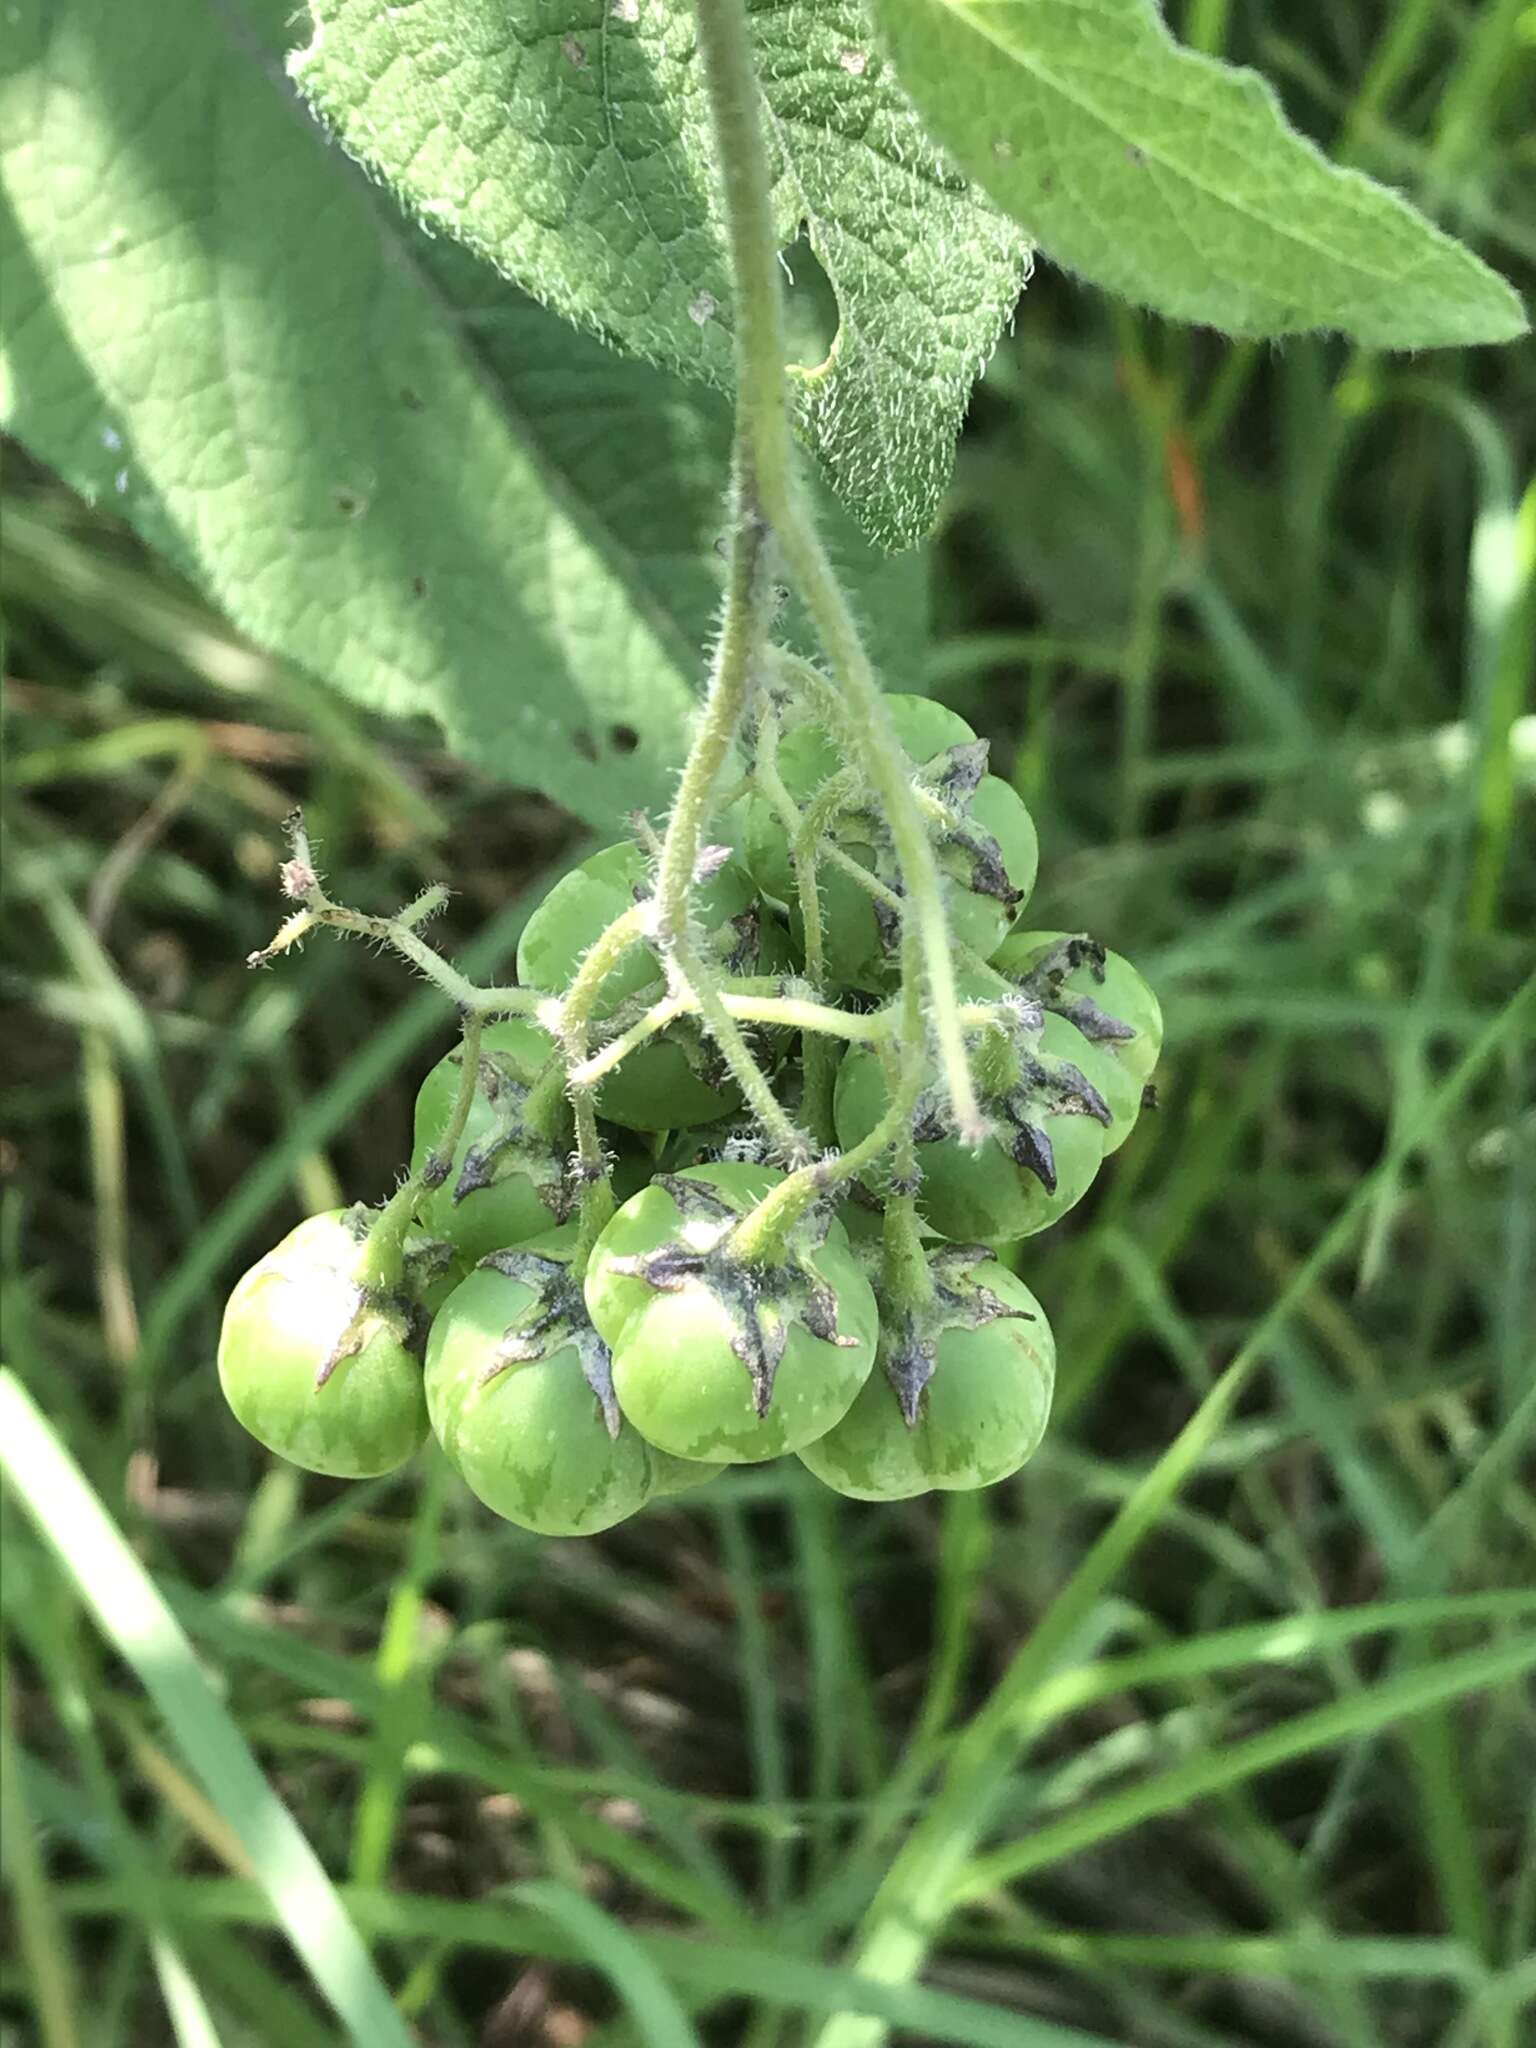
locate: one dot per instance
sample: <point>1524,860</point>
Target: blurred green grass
<point>1215,1725</point>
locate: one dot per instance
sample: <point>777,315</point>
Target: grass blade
<point>662,2021</point>
<point>1376,1707</point>
<point>131,1614</point>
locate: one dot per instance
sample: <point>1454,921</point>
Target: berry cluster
<point>698,1197</point>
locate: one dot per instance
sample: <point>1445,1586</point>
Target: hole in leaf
<point>584,743</point>
<point>811,311</point>
<point>624,738</point>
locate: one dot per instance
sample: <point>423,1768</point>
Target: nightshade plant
<point>808,1017</point>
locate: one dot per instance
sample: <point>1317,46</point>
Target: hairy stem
<point>788,1013</point>
<point>906,1277</point>
<point>384,1261</point>
<point>696,982</point>
<point>731,82</point>
<point>301,881</point>
<point>743,635</point>
<point>762,1234</point>
<point>819,690</point>
<point>818,1062</point>
<point>571,1018</point>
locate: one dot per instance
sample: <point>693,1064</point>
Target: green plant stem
<point>788,1013</point>
<point>572,1012</point>
<point>571,1017</point>
<point>834,796</point>
<point>398,931</point>
<point>598,1203</point>
<point>817,1062</point>
<point>731,84</point>
<point>384,1261</point>
<point>807,680</point>
<point>787,1143</point>
<point>906,1276</point>
<point>743,636</point>
<point>762,1234</point>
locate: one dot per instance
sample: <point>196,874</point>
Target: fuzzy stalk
<point>818,1063</point>
<point>736,110</point>
<point>384,1258</point>
<point>743,634</point>
<point>763,1233</point>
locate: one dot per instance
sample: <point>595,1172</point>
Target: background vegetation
<point>1254,631</point>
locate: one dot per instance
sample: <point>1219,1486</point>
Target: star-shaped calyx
<point>371,1311</point>
<point>765,1300</point>
<point>556,1319</point>
<point>969,853</point>
<point>909,1338</point>
<point>1045,983</point>
<point>511,1145</point>
<point>954,777</point>
<point>1018,1094</point>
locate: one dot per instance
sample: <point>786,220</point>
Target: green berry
<point>1103,996</point>
<point>987,855</point>
<point>316,1367</point>
<point>673,1079</point>
<point>716,1360</point>
<point>1042,1159</point>
<point>973,1372</point>
<point>506,1183</point>
<point>517,1383</point>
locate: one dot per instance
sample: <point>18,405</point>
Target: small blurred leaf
<point>1174,180</point>
<point>569,145</point>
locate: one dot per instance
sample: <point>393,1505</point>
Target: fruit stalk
<point>735,108</point>
<point>384,1259</point>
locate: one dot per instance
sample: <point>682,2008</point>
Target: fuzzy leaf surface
<point>383,463</point>
<point>568,143</point>
<point>1174,179</point>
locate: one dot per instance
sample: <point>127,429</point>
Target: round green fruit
<point>678,1475</point>
<point>978,1418</point>
<point>718,1361</point>
<point>988,859</point>
<point>322,1375</point>
<point>506,1181</point>
<point>668,1081</point>
<point>992,1194</point>
<point>1102,994</point>
<point>515,1378</point>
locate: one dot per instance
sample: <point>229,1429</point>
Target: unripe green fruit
<point>858,953</point>
<point>283,1323</point>
<point>985,1196</point>
<point>522,1195</point>
<point>659,1086</point>
<point>678,1475</point>
<point>1116,989</point>
<point>980,1417</point>
<point>679,1377</point>
<point>530,1441</point>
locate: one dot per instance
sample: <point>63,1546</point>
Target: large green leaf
<point>1174,180</point>
<point>568,143</point>
<point>382,462</point>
